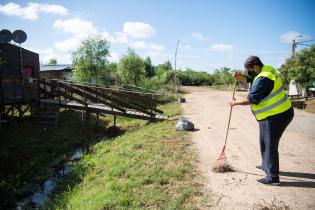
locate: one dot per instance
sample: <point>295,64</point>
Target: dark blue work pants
<point>271,130</point>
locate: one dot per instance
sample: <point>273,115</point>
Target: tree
<point>300,68</point>
<point>167,65</point>
<point>112,68</point>
<point>195,78</point>
<point>90,60</point>
<point>131,68</point>
<point>304,72</point>
<point>285,71</point>
<point>222,77</point>
<point>52,61</point>
<point>149,68</point>
<point>163,72</point>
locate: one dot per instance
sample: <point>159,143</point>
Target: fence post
<point>58,93</point>
<point>111,103</point>
<point>52,88</point>
<point>45,90</point>
<point>14,85</point>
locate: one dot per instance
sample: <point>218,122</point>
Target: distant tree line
<point>196,78</point>
<point>91,61</point>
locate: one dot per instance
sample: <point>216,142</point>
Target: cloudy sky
<point>211,33</point>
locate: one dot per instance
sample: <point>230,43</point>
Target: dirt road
<point>208,109</point>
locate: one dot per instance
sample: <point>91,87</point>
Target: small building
<point>58,71</point>
<point>12,66</point>
<point>19,68</point>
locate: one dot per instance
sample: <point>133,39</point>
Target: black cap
<point>252,61</point>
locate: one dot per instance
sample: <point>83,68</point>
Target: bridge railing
<point>18,90</point>
<point>116,98</point>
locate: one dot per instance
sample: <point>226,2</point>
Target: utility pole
<point>175,65</point>
<point>293,47</point>
<point>294,44</point>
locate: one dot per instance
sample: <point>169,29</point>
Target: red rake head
<point>222,155</point>
<point>221,159</point>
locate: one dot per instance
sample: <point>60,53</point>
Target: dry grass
<point>273,205</point>
<point>222,168</point>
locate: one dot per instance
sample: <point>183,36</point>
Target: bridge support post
<point>87,117</point>
<point>97,119</point>
<point>82,117</point>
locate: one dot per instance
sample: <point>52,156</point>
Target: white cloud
<point>139,45</point>
<point>75,26</point>
<point>221,47</point>
<point>289,36</point>
<point>147,46</point>
<point>198,36</point>
<point>45,54</point>
<point>107,36</point>
<point>158,57</point>
<point>114,57</point>
<point>155,47</point>
<point>120,37</point>
<point>48,53</point>
<point>138,30</point>
<point>32,10</point>
<point>69,44</point>
<point>117,37</point>
<point>186,47</point>
<point>80,29</point>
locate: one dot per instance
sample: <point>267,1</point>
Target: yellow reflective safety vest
<point>276,102</point>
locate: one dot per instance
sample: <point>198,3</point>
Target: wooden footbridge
<point>129,101</point>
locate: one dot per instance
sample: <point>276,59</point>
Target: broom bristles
<point>222,167</point>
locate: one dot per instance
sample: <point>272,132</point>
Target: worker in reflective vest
<point>272,109</point>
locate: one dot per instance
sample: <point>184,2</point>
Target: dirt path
<point>208,109</point>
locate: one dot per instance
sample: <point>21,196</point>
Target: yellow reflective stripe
<point>281,101</point>
<point>272,94</point>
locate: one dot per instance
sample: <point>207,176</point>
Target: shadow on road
<point>297,174</point>
<point>291,182</point>
<point>298,184</point>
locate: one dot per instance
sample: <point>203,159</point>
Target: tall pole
<point>21,60</point>
<point>175,65</point>
<point>293,47</point>
<point>294,44</point>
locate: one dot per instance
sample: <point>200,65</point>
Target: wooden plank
<point>99,109</point>
<point>113,102</point>
<point>89,94</point>
<point>118,101</point>
<point>133,102</point>
<point>65,95</point>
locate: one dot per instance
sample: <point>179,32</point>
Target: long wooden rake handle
<point>228,126</point>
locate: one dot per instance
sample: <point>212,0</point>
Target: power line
<point>305,45</point>
<point>295,44</point>
<point>305,41</point>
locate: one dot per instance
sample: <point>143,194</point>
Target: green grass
<point>149,167</point>
<point>27,149</point>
